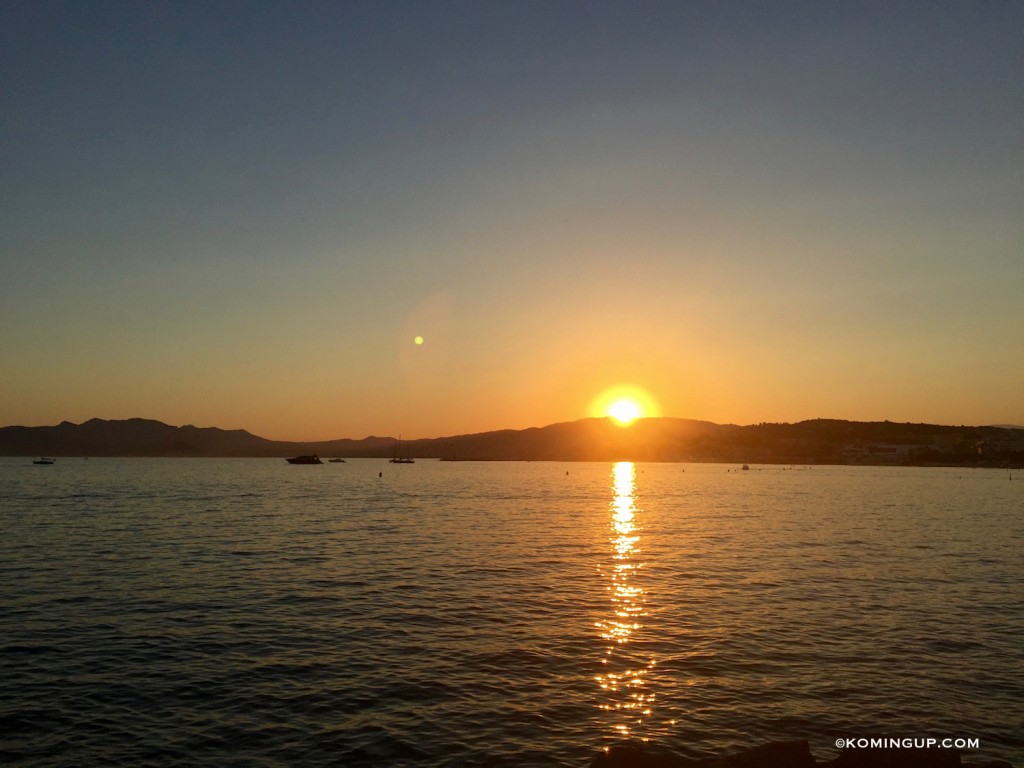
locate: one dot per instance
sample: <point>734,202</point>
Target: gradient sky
<point>241,214</point>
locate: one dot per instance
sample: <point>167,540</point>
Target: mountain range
<point>819,441</point>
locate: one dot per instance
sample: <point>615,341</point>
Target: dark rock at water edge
<point>907,758</point>
<point>777,754</point>
<point>786,754</point>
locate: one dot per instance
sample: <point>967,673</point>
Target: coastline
<point>820,442</point>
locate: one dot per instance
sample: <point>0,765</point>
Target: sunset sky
<point>243,214</point>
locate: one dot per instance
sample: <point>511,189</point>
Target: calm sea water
<point>247,612</point>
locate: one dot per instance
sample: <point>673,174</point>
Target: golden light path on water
<point>623,682</point>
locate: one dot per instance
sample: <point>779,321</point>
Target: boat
<point>746,467</point>
<point>44,460</point>
<point>400,459</point>
<point>335,461</point>
<point>314,459</point>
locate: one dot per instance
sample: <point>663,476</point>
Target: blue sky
<point>240,214</point>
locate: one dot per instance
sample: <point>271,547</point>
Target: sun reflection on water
<point>623,682</point>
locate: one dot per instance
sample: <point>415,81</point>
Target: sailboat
<point>399,459</point>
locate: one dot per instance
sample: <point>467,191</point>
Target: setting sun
<point>624,405</point>
<point>625,411</point>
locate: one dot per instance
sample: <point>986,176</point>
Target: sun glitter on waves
<point>624,405</point>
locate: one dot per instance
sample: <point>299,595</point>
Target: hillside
<point>821,441</point>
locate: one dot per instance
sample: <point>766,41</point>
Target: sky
<point>242,214</point>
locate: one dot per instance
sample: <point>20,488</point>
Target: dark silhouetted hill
<point>130,437</point>
<point>820,441</point>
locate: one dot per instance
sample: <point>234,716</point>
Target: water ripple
<point>463,614</point>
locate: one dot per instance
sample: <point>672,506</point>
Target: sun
<point>625,411</point>
<point>624,404</point>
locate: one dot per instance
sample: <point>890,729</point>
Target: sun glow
<point>625,411</point>
<point>624,405</point>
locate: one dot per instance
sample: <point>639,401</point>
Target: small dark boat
<point>746,467</point>
<point>335,461</point>
<point>314,459</point>
<point>44,460</point>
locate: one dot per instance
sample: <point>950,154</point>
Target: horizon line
<point>513,429</point>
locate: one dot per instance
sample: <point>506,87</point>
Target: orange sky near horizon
<point>749,213</point>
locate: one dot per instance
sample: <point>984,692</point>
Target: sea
<point>247,612</point>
